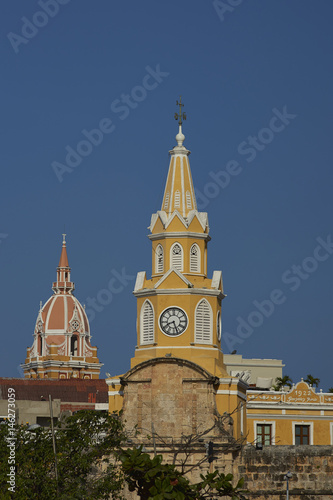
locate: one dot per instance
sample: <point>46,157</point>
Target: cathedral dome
<point>62,347</point>
<point>61,314</point>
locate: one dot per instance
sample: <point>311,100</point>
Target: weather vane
<point>180,116</point>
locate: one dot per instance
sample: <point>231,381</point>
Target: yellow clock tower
<point>179,307</point>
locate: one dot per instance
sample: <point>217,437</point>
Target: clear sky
<point>256,79</point>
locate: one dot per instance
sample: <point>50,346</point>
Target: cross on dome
<point>180,116</point>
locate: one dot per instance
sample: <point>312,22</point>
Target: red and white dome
<point>61,314</point>
<point>62,345</point>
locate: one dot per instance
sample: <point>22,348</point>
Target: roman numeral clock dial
<point>173,321</point>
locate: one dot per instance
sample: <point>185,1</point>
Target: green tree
<point>282,381</point>
<point>153,480</point>
<point>84,442</point>
<point>330,389</point>
<point>312,380</point>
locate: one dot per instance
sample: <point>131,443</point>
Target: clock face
<point>173,321</point>
<point>219,326</point>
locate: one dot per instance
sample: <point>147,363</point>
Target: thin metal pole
<point>153,435</point>
<point>287,488</point>
<point>54,443</point>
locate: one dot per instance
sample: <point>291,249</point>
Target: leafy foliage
<point>91,464</point>
<point>312,380</point>
<point>82,442</point>
<point>282,381</point>
<point>153,480</point>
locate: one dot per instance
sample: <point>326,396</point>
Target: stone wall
<point>264,470</point>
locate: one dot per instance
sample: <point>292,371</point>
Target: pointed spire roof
<point>63,283</point>
<point>179,191</point>
<point>63,262</point>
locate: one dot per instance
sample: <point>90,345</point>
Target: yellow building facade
<point>299,416</point>
<point>179,306</point>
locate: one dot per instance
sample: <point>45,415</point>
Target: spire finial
<point>64,239</point>
<point>180,116</point>
<point>180,137</point>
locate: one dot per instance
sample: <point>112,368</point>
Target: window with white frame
<point>147,323</point>
<point>177,199</point>
<point>188,200</point>
<point>159,259</point>
<point>264,434</point>
<point>195,259</point>
<point>302,433</point>
<point>203,323</point>
<point>177,256</point>
<point>166,201</point>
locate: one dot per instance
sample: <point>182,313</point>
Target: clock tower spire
<point>179,307</point>
<point>178,357</point>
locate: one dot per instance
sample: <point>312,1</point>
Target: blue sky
<point>236,71</point>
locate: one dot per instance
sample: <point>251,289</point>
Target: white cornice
<point>271,416</point>
<point>180,151</point>
<point>232,393</point>
<point>146,292</point>
<point>113,381</point>
<point>234,381</point>
<point>60,364</point>
<point>180,234</point>
<point>168,347</point>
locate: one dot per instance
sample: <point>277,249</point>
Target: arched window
<point>147,323</point>
<point>203,323</point>
<point>166,201</point>
<point>159,259</point>
<point>195,259</point>
<point>40,346</point>
<point>188,200</point>
<point>177,199</point>
<point>74,345</point>
<point>176,257</point>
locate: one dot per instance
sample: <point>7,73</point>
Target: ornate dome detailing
<point>61,347</point>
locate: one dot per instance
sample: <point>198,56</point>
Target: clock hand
<point>175,327</point>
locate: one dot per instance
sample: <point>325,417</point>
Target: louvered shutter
<point>203,323</point>
<point>147,324</point>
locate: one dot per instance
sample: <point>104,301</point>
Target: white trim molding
<point>302,422</point>
<point>265,422</point>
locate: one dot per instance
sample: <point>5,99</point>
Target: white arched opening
<point>176,257</point>
<point>159,259</point>
<point>203,323</point>
<point>147,323</point>
<point>195,259</point>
